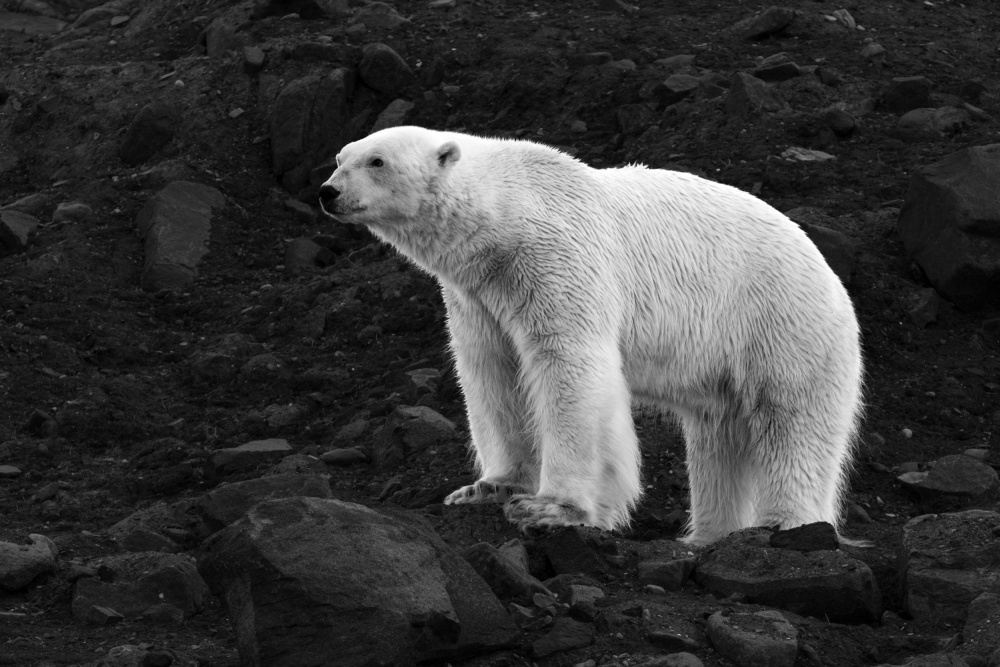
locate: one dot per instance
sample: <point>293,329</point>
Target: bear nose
<point>327,195</point>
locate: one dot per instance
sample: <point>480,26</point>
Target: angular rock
<point>760,639</point>
<point>220,38</point>
<point>20,564</point>
<point>395,594</point>
<point>72,212</point>
<point>408,430</point>
<point>16,231</point>
<point>143,539</point>
<point>515,553</point>
<point>841,122</point>
<point>96,615</point>
<point>379,15</point>
<point>568,552</point>
<point>778,67</point>
<point>675,88</point>
<point>346,456</point>
<point>565,635</point>
<point>505,579</point>
<point>310,123</point>
<point>981,634</point>
<point>955,476</point>
<point>837,249</point>
<point>669,575</point>
<point>226,504</point>
<point>394,115</point>
<point>769,22</point>
<point>950,225</point>
<point>906,93</point>
<point>945,562</point>
<point>141,581</point>
<point>824,584</point>
<point>301,255</point>
<point>384,70</point>
<point>150,130</point>
<point>174,227</point>
<point>819,536</point>
<point>748,95</point>
<point>224,461</point>
<point>9,472</point>
<point>944,120</point>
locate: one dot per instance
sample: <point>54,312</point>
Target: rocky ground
<point>136,367</point>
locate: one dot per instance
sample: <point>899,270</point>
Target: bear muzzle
<point>328,198</point>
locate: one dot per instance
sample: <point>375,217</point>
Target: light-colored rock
<point>72,212</point>
<point>946,561</point>
<point>411,429</point>
<point>950,225</point>
<point>394,594</point>
<point>825,584</point>
<point>9,472</point>
<point>20,564</point>
<point>174,227</point>
<point>761,639</point>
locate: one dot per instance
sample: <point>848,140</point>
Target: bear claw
<point>543,511</point>
<point>482,491</point>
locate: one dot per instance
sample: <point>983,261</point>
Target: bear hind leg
<point>721,477</point>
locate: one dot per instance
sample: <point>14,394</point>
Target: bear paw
<point>483,491</point>
<point>543,511</point>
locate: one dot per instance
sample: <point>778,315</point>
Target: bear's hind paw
<point>482,491</point>
<point>543,511</point>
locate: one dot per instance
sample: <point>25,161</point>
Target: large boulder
<point>826,584</point>
<point>945,562</point>
<point>950,225</point>
<point>174,227</point>
<point>307,578</point>
<point>310,123</point>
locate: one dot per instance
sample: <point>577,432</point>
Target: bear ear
<point>448,154</point>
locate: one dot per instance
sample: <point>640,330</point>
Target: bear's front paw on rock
<point>483,491</point>
<point>543,511</point>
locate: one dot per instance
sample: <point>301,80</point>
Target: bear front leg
<point>495,403</point>
<point>589,451</point>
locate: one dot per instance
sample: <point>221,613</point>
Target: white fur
<point>573,291</point>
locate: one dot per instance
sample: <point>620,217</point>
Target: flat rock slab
<point>957,476</point>
<point>174,227</point>
<point>760,639</point>
<point>566,634</point>
<point>981,635</point>
<point>504,577</point>
<point>824,584</point>
<point>411,429</point>
<point>950,225</point>
<point>230,459</point>
<point>139,582</point>
<point>21,563</point>
<point>308,578</point>
<point>945,562</point>
<point>30,24</point>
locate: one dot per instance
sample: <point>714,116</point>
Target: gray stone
<point>906,93</point>
<point>9,472</point>
<point>924,306</point>
<point>675,88</point>
<point>769,22</point>
<point>221,361</point>
<point>818,536</point>
<point>72,212</point>
<point>394,115</point>
<point>221,38</point>
<point>300,256</point>
<point>174,227</point>
<point>253,59</point>
<point>411,429</point>
<point>944,120</point>
<point>840,121</point>
<point>384,70</point>
<point>761,639</point>
<point>837,249</point>
<point>17,230</point>
<point>141,581</point>
<point>223,461</point>
<point>229,502</point>
<point>264,369</point>
<point>310,122</point>
<point>568,552</point>
<point>97,615</point>
<point>981,634</point>
<point>379,15</point>
<point>505,579</point>
<point>20,564</point>
<point>955,476</point>
<point>515,553</point>
<point>671,641</point>
<point>669,575</point>
<point>682,659</point>
<point>748,95</point>
<point>150,130</point>
<point>565,635</point>
<point>346,456</point>
<point>824,584</point>
<point>945,562</point>
<point>144,539</point>
<point>395,595</point>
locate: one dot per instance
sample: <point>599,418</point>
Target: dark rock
<point>954,476</point>
<point>20,564</point>
<point>838,250</point>
<point>396,595</point>
<point>922,122</point>
<point>394,115</point>
<point>17,230</point>
<point>384,70</point>
<point>174,227</point>
<point>906,93</point>
<point>825,584</point>
<point>771,21</point>
<point>306,9</point>
<point>300,256</point>
<point>568,552</point>
<point>379,15</point>
<point>819,536</point>
<point>669,575</point>
<point>748,95</point>
<point>150,130</point>
<point>220,38</point>
<point>144,539</point>
<point>411,429</point>
<point>668,641</point>
<point>224,461</point>
<point>97,615</point>
<point>841,122</point>
<point>253,59</point>
<point>981,634</point>
<point>945,562</point>
<point>506,580</point>
<point>228,503</point>
<point>346,456</point>
<point>675,88</point>
<point>565,635</point>
<point>221,361</point>
<point>142,581</point>
<point>950,225</point>
<point>760,639</point>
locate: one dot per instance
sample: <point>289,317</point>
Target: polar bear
<point>572,292</point>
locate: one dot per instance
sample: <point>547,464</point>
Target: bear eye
<point>377,162</point>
